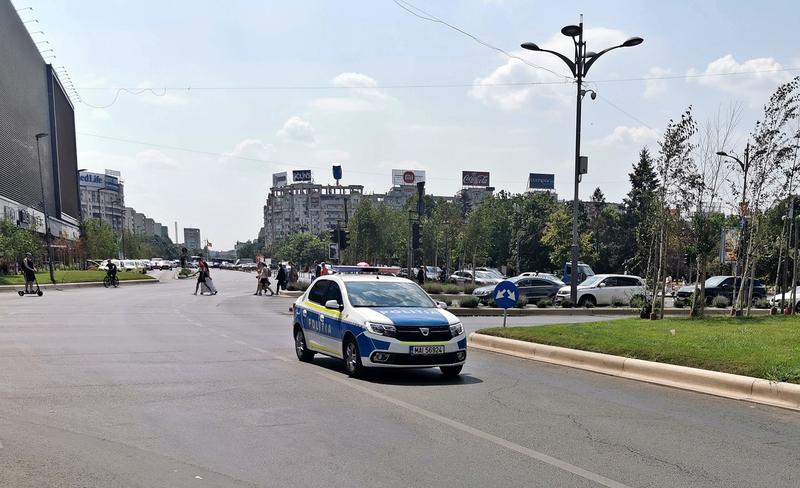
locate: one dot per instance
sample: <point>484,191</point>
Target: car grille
<point>409,360</point>
<point>414,334</point>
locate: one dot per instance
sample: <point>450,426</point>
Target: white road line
<point>241,343</point>
<point>1,444</point>
<point>555,462</point>
<point>223,335</point>
<point>525,451</point>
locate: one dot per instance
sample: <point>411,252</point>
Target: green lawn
<point>72,276</point>
<point>764,347</point>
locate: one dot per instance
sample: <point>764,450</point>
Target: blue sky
<point>319,45</point>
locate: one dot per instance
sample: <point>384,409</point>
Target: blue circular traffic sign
<point>506,294</point>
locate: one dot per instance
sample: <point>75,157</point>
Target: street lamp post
<point>745,166</point>
<point>47,236</point>
<point>579,67</point>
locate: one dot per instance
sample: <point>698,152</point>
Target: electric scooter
<point>38,291</point>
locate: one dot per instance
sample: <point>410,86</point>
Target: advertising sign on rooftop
<point>279,179</point>
<point>301,176</point>
<point>475,178</point>
<point>541,181</point>
<point>407,177</point>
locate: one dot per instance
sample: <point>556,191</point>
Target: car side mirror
<point>334,305</point>
<point>441,305</point>
<point>602,285</point>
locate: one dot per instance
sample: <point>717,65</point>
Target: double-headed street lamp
<point>745,166</point>
<point>579,67</point>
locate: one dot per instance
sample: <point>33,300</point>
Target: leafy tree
<point>303,248</point>
<point>15,242</point>
<point>558,236</point>
<point>98,239</point>
<point>531,211</point>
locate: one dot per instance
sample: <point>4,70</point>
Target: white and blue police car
<point>376,321</point>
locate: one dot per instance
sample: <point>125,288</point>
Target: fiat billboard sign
<point>407,177</point>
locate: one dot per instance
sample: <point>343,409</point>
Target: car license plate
<point>427,350</point>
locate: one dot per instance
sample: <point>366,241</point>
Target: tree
<point>304,249</point>
<point>528,252</point>
<point>639,207</point>
<point>558,236</point>
<point>98,239</point>
<point>15,242</point>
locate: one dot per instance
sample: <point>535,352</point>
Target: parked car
<point>528,274</point>
<point>604,289</point>
<point>493,272</point>
<point>432,273</point>
<point>722,286</point>
<point>775,300</point>
<point>584,272</point>
<point>532,288</point>
<point>480,278</point>
<point>166,265</point>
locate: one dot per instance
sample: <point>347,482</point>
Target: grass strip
<point>71,276</point>
<point>763,347</point>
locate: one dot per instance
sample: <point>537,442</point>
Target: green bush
<point>762,303</point>
<point>469,287</point>
<point>299,286</point>
<point>544,303</point>
<point>184,272</point>
<point>468,302</point>
<point>637,301</point>
<point>720,302</point>
<point>522,302</point>
<point>679,303</point>
<point>567,303</point>
<point>617,302</point>
<point>433,287</point>
<point>447,301</point>
<point>451,289</point>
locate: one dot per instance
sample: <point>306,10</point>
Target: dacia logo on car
<point>425,331</point>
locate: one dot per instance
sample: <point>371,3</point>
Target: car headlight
<point>381,329</point>
<point>456,329</point>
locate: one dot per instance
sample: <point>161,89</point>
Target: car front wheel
<point>352,359</point>
<point>300,348</point>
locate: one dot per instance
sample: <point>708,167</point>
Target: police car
<point>377,321</point>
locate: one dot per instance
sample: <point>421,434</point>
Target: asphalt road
<point>150,386</point>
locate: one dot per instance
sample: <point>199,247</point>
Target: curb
<point>605,311</point>
<point>88,284</point>
<point>727,385</point>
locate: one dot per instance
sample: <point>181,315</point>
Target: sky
<point>258,87</point>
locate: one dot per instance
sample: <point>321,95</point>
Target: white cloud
<point>298,129</point>
<point>362,95</point>
<point>761,80</point>
<point>656,87</point>
<point>513,71</point>
<point>100,114</point>
<point>622,135</point>
<point>250,149</point>
<point>153,158</point>
<point>331,155</point>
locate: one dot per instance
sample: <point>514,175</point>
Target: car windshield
<point>591,281</point>
<point>715,281</point>
<point>387,294</point>
<point>484,275</point>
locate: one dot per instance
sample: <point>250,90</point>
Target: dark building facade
<point>33,101</point>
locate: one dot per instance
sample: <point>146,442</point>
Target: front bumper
<point>397,354</point>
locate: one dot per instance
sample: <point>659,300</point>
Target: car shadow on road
<point>402,377</point>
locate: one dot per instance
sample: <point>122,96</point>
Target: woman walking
<point>281,280</point>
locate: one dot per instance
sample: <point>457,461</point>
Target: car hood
<point>402,316</point>
<point>566,289</point>
<point>686,289</point>
<point>483,290</point>
<point>787,295</point>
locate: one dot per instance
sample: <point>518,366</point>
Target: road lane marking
<point>241,343</point>
<point>258,349</point>
<point>223,335</point>
<point>525,451</point>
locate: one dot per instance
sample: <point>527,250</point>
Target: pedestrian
<point>323,269</point>
<point>421,275</point>
<point>281,279</point>
<point>317,270</point>
<point>294,276</point>
<point>29,270</point>
<point>201,280</point>
<point>259,285</point>
<point>208,281</point>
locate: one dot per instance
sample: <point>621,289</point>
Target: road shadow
<point>400,377</point>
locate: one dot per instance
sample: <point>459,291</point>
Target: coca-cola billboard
<point>475,178</point>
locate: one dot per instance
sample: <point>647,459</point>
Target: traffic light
<point>416,235</point>
<point>686,259</point>
<point>335,235</point>
<point>343,239</point>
